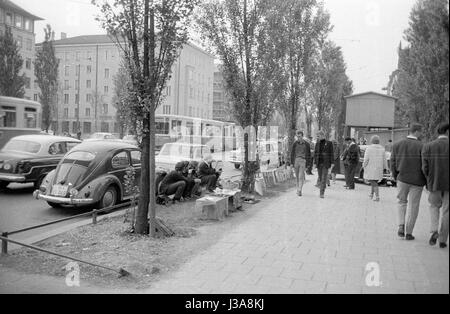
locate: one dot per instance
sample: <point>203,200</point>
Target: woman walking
<point>374,164</point>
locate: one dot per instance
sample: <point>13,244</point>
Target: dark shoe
<point>322,196</point>
<point>299,193</point>
<point>433,238</point>
<point>401,231</point>
<point>442,245</point>
<point>409,237</point>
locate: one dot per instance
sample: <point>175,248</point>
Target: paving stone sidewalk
<point>301,245</point>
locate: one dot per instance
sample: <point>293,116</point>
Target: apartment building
<point>21,23</point>
<point>87,68</point>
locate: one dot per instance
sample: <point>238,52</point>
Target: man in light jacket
<point>435,168</point>
<point>406,168</point>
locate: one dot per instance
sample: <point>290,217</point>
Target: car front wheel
<point>54,205</point>
<point>109,198</point>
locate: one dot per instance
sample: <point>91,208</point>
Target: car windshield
<point>23,146</point>
<point>73,167</point>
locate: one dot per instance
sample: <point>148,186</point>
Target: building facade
<point>222,107</point>
<point>88,65</point>
<point>21,23</point>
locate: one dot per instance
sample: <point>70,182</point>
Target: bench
<point>213,207</point>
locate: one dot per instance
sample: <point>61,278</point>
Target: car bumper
<point>12,177</point>
<point>63,200</point>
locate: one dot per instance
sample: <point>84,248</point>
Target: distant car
<point>267,153</point>
<point>102,136</point>
<point>92,174</point>
<point>172,153</point>
<point>29,158</point>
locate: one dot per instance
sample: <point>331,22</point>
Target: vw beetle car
<point>29,158</point>
<point>92,174</point>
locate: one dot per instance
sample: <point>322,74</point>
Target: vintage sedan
<point>102,136</point>
<point>92,174</point>
<point>29,158</point>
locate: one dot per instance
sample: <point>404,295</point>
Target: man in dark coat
<point>406,169</point>
<point>174,183</point>
<point>323,159</point>
<point>435,168</point>
<point>351,160</point>
<point>207,174</point>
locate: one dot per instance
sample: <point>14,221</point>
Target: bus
<point>218,135</point>
<point>18,117</point>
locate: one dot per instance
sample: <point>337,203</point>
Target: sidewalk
<point>300,245</point>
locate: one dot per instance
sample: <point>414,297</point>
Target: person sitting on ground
<point>193,186</point>
<point>207,174</point>
<point>174,183</point>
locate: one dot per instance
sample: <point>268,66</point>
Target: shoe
<point>370,196</point>
<point>433,238</point>
<point>376,199</point>
<point>322,196</point>
<point>401,231</point>
<point>442,245</point>
<point>299,193</point>
<point>409,237</point>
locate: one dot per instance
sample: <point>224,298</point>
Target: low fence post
<point>94,216</point>
<point>5,243</point>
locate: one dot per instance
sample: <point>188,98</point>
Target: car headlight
<point>73,192</point>
<point>7,166</point>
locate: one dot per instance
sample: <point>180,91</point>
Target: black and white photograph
<point>223,152</point>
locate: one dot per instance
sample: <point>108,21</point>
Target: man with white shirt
<point>435,167</point>
<point>406,167</point>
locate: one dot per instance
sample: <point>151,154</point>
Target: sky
<point>369,32</point>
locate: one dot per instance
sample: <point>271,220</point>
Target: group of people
<point>186,180</point>
<point>414,164</point>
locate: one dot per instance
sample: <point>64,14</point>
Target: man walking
<point>300,154</point>
<point>351,160</point>
<point>323,159</point>
<point>406,168</point>
<point>435,168</point>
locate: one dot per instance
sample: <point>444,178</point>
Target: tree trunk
<point>142,213</point>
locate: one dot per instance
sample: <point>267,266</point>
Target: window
<point>106,89</point>
<point>162,127</point>
<point>74,127</point>
<point>66,70</point>
<point>89,69</point>
<point>106,73</point>
<point>77,69</point>
<point>66,114</point>
<point>20,41</point>
<point>29,44</point>
<point>66,99</point>
<point>27,83</point>
<point>9,18</point>
<point>105,108</point>
<point>28,26</point>
<point>120,160</point>
<point>28,64</point>
<point>88,112</point>
<point>166,109</point>
<point>19,21</point>
<point>77,98</point>
<point>89,56</point>
<point>88,98</point>
<point>36,97</point>
<point>67,56</point>
<point>77,84</point>
<point>65,125</point>
<point>30,118</point>
<point>8,118</point>
<point>104,127</point>
<point>88,84</point>
<point>77,56</point>
<point>106,55</point>
<point>135,157</point>
<point>57,148</point>
<point>66,84</point>
<point>76,112</point>
<point>1,15</point>
<point>36,84</point>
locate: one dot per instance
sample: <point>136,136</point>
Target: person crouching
<point>174,183</point>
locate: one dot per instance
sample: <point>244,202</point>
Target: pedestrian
<point>337,163</point>
<point>310,161</point>
<point>207,174</point>
<point>435,168</point>
<point>323,159</point>
<point>351,160</point>
<point>374,164</point>
<point>406,168</point>
<point>300,154</point>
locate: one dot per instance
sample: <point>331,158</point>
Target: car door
<point>120,162</point>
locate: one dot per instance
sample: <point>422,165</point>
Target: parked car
<point>266,151</point>
<point>92,174</point>
<point>172,153</point>
<point>102,136</point>
<point>29,158</point>
<point>359,173</point>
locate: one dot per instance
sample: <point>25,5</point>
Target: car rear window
<point>81,156</point>
<point>23,146</point>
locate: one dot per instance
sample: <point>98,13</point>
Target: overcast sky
<point>369,31</point>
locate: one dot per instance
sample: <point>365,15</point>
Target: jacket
<point>435,164</point>
<point>374,162</point>
<point>351,155</point>
<point>323,154</point>
<point>406,162</point>
<point>293,151</point>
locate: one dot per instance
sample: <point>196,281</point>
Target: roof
<point>7,4</point>
<point>103,145</point>
<point>45,139</point>
<point>374,93</point>
<point>84,40</point>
